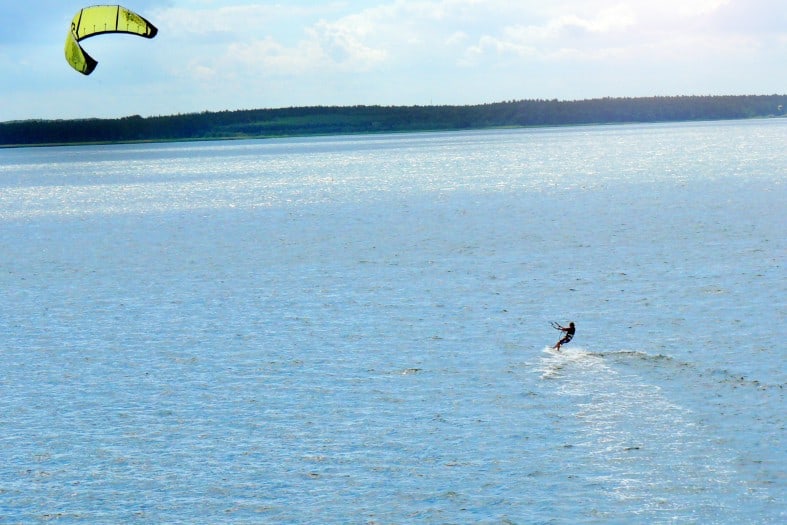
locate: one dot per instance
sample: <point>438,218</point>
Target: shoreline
<point>360,133</point>
<point>259,124</point>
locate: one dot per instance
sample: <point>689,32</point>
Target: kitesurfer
<point>569,330</point>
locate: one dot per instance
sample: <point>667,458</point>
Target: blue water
<point>356,329</point>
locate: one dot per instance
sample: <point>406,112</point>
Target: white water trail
<point>641,449</point>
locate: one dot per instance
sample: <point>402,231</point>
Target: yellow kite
<point>99,20</point>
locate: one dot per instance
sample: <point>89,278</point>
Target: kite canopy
<point>99,20</point>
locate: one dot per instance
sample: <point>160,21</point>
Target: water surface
<point>355,329</point>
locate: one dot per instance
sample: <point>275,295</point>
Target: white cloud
<point>238,21</point>
<point>280,39</point>
<point>346,42</point>
<point>458,38</point>
<point>695,7</point>
<point>270,56</point>
<point>564,35</point>
<point>604,31</point>
<point>259,42</point>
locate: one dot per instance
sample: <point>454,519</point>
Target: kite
<point>100,20</point>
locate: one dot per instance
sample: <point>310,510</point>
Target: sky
<point>213,55</point>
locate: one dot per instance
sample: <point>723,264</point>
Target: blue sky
<point>240,54</point>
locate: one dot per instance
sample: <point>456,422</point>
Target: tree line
<point>328,120</point>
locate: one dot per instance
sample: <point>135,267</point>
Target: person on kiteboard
<point>569,330</point>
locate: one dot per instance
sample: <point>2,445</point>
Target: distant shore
<point>341,120</point>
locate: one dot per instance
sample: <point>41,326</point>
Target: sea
<point>357,329</point>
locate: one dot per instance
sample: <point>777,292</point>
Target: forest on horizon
<point>334,120</point>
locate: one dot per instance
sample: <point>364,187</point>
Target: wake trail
<point>640,447</point>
